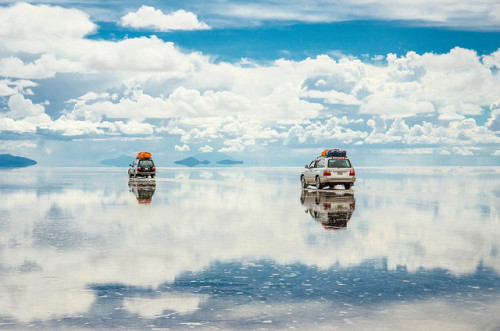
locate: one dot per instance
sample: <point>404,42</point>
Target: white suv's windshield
<point>339,163</point>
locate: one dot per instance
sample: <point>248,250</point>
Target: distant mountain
<point>229,162</point>
<point>11,161</point>
<point>191,162</point>
<point>121,161</point>
<point>212,157</point>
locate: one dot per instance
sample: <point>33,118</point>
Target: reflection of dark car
<point>333,209</point>
<point>142,168</point>
<point>143,191</point>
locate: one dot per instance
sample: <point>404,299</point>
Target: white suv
<point>328,171</point>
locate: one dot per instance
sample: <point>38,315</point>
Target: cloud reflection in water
<point>233,248</point>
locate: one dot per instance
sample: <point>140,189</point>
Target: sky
<point>269,82</point>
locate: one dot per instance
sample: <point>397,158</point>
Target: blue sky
<point>258,81</point>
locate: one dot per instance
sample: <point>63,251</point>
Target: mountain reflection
<point>332,209</point>
<point>142,189</point>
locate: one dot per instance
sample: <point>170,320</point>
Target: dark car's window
<point>339,163</point>
<point>146,163</point>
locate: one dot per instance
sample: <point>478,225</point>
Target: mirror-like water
<point>246,248</point>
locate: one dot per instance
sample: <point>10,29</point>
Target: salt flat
<point>247,248</point>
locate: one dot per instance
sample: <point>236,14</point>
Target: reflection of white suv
<point>329,171</point>
<point>333,209</point>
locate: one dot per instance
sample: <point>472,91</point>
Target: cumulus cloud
<point>44,67</point>
<point>463,151</point>
<point>206,149</point>
<point>37,28</point>
<point>183,148</point>
<point>493,122</point>
<point>149,86</point>
<point>149,17</point>
<point>21,107</point>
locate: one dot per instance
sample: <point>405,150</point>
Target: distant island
<point>197,160</point>
<point>193,162</point>
<point>11,161</point>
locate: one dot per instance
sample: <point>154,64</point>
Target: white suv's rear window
<point>146,163</point>
<point>339,163</point>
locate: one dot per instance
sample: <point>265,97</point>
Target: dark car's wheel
<point>303,181</point>
<point>153,176</point>
<point>347,186</point>
<point>319,186</point>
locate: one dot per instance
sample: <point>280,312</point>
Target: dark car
<point>142,168</point>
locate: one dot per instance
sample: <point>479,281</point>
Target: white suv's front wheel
<point>303,181</point>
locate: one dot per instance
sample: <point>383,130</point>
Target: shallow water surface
<point>246,248</point>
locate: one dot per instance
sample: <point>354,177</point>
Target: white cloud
<point>44,67</point>
<point>141,55</point>
<point>233,146</point>
<point>462,14</point>
<point>206,149</point>
<point>334,97</point>
<point>395,107</point>
<point>183,148</point>
<point>235,106</point>
<point>21,107</point>
<point>492,60</point>
<point>37,29</point>
<point>5,89</point>
<point>463,151</point>
<point>493,122</point>
<point>135,127</point>
<point>149,17</point>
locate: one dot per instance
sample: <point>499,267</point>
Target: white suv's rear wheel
<point>319,186</point>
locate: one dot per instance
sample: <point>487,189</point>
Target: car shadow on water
<point>333,209</point>
<point>143,189</point>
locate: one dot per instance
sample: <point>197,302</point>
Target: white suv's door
<point>315,169</point>
<point>320,167</point>
<point>310,172</point>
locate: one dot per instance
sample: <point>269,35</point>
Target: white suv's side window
<point>313,164</point>
<point>320,163</point>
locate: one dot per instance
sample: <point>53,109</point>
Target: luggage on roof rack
<point>334,152</point>
<point>144,155</point>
